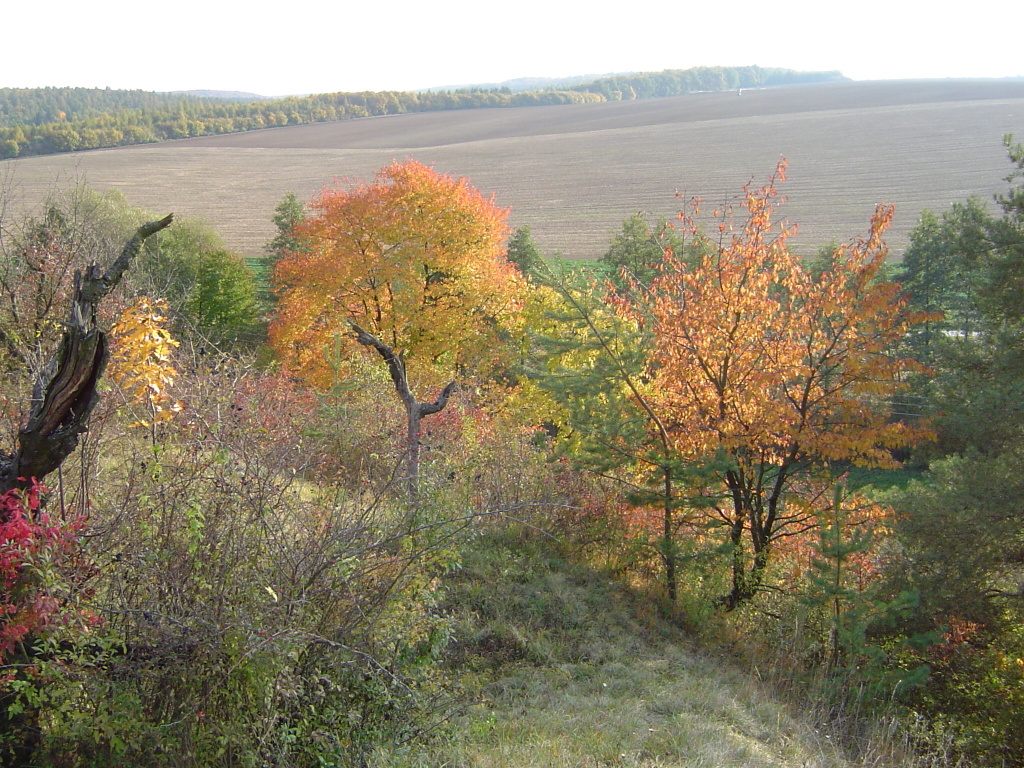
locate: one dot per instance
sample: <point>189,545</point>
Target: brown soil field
<point>573,173</point>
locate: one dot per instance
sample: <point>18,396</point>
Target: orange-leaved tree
<point>779,371</point>
<point>412,266</point>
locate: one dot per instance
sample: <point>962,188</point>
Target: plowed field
<point>574,172</point>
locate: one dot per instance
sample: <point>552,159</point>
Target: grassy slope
<point>566,668</point>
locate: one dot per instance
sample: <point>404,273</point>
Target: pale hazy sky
<point>277,48</point>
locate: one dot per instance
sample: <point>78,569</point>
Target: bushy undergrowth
<point>262,590</point>
<point>263,596</point>
<point>248,612</point>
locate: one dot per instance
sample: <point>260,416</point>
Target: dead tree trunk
<point>414,410</point>
<point>64,393</point>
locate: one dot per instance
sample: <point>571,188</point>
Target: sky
<point>314,46</point>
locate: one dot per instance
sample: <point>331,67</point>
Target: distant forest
<point>39,121</point>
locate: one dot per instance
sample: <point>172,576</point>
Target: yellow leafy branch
<point>141,360</point>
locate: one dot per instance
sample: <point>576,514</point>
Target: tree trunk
<point>414,410</point>
<point>412,448</point>
<point>668,540</point>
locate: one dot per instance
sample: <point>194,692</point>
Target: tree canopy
<point>415,257</point>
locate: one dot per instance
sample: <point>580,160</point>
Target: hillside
<point>574,172</point>
<point>561,666</point>
<point>651,523</point>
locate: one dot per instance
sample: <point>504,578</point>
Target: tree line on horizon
<point>41,121</point>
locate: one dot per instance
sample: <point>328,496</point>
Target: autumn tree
<point>783,374</point>
<point>411,266</point>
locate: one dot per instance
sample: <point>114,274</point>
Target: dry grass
<point>566,669</point>
<point>573,173</point>
<point>662,710</point>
